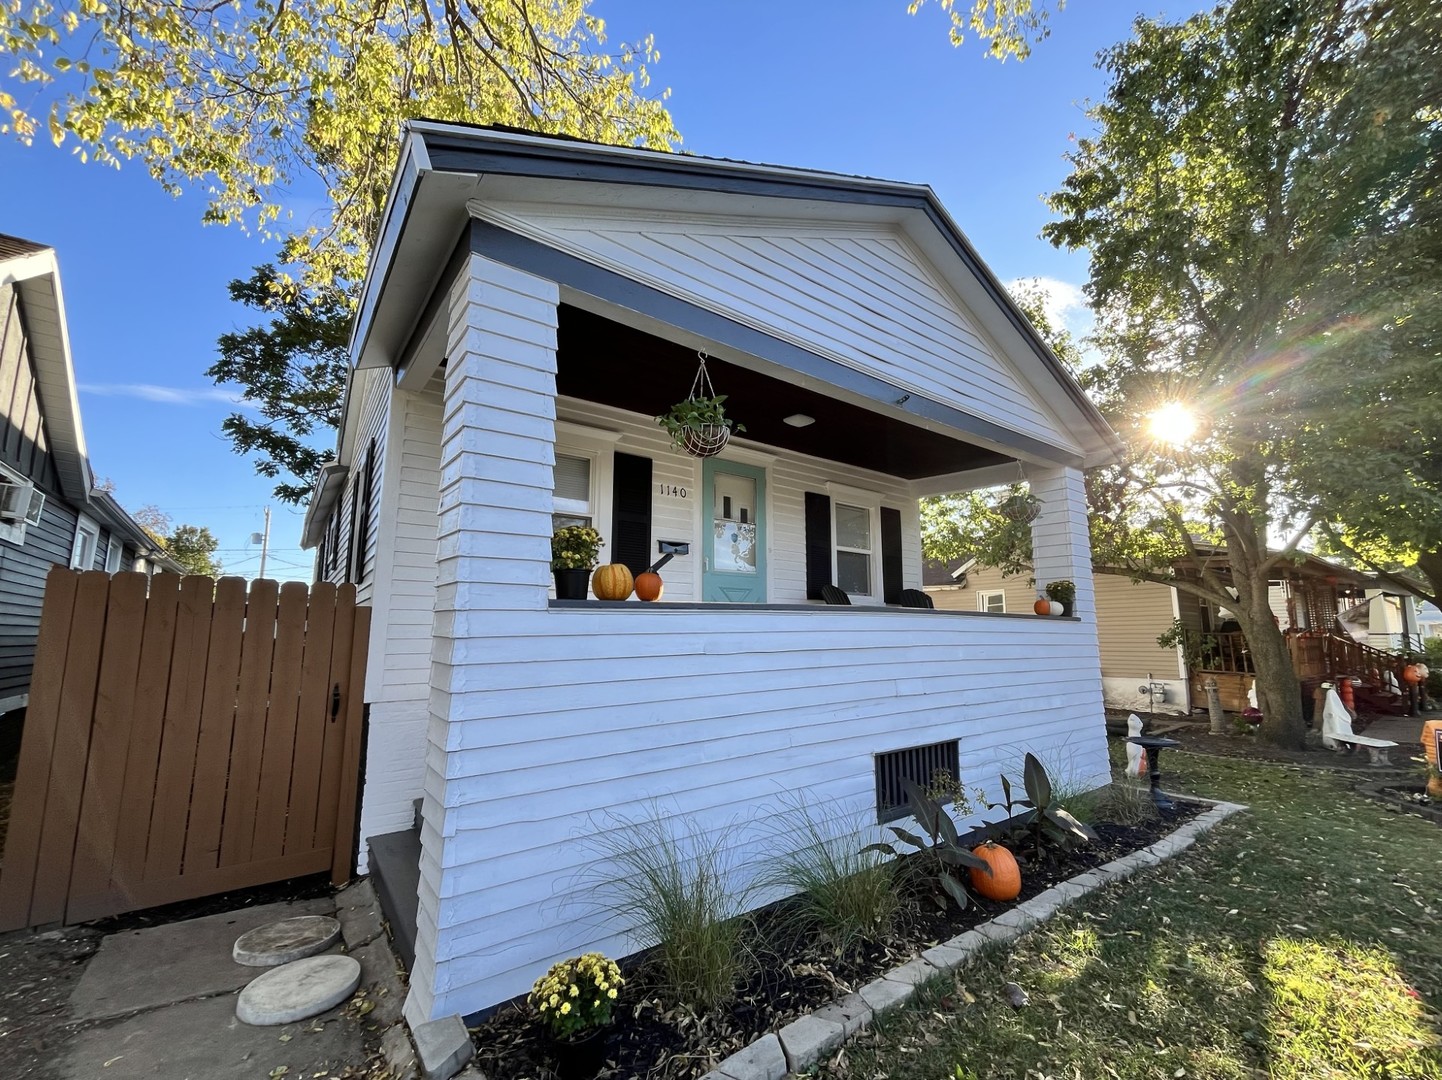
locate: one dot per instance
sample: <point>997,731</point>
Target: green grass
<point>1299,940</point>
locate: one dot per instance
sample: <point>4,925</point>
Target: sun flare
<point>1173,423</point>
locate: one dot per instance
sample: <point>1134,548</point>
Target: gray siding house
<point>50,510</point>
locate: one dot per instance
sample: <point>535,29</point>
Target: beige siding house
<point>1129,618</point>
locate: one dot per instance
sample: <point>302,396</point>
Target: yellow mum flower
<point>596,1003</point>
<point>611,994</point>
<point>565,1007</point>
<point>575,990</point>
<point>555,998</point>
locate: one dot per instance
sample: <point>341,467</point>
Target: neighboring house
<point>1336,620</point>
<point>1137,673</point>
<point>50,510</point>
<point>1429,621</point>
<point>532,304</point>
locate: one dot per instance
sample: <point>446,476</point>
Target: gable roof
<point>445,166</point>
<point>35,274</point>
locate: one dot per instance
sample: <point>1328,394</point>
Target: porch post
<point>1060,537</point>
<point>493,550</point>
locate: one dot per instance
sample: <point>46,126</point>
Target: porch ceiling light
<point>799,420</point>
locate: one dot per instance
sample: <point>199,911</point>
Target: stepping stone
<point>286,941</point>
<point>298,990</point>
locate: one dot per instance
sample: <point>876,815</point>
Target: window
<point>20,505</point>
<point>87,539</point>
<point>855,569</point>
<point>112,556</point>
<point>991,601</point>
<point>573,503</point>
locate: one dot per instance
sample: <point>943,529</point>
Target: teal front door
<point>734,571</point>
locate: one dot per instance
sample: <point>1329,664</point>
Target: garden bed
<point>791,975</point>
<point>1407,798</point>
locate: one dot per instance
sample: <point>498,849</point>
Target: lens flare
<point>1173,423</point>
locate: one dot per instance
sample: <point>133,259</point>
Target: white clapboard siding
<point>862,296</point>
<point>613,708</point>
<point>403,579</point>
<point>549,723</point>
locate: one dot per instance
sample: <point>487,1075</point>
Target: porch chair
<point>917,599</point>
<point>832,595</point>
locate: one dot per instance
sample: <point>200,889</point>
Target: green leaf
<point>955,890</point>
<point>1038,784</point>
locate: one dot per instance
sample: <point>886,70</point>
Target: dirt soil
<point>789,978</point>
<point>39,969</point>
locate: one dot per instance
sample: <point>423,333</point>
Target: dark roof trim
<point>529,255</point>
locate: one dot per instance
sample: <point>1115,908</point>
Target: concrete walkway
<point>159,1003</point>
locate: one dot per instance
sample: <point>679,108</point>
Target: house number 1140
<point>673,491</point>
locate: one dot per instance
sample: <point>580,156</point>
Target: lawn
<point>1298,940</point>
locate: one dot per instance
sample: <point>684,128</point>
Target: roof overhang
<point>329,483</point>
<point>445,166</point>
<point>126,528</point>
<point>36,279</point>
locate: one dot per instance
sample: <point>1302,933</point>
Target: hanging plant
<point>698,425</point>
<point>1022,507</point>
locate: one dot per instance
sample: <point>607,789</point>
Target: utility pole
<point>264,543</point>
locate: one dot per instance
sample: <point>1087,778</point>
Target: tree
<point>1262,183</point>
<point>1009,27</point>
<point>194,547</point>
<point>252,99</point>
<point>293,370</point>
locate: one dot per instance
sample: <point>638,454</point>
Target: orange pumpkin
<point>1042,606</point>
<point>1411,675</point>
<point>1004,881</point>
<point>649,585</point>
<point>612,581</point>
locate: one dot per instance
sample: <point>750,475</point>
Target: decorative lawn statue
<point>1136,756</point>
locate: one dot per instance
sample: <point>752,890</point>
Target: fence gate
<point>183,738</point>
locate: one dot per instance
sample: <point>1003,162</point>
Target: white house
<point>532,304</point>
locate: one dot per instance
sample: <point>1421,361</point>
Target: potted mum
<point>1064,593</point>
<point>574,1000</point>
<point>574,550</point>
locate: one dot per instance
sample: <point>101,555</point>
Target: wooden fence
<point>183,738</point>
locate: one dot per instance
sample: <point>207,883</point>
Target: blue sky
<point>855,86</point>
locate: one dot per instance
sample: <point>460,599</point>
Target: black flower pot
<point>571,584</point>
<point>581,1057</point>
<point>1068,607</point>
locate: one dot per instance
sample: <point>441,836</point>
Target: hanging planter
<point>1022,507</point>
<point>698,425</point>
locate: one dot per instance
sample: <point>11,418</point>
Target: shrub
<point>1044,822</point>
<point>576,995</point>
<point>938,853</point>
<point>676,893</point>
<point>845,895</point>
<point>1125,802</point>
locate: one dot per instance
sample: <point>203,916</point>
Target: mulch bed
<point>790,978</point>
<point>1403,799</point>
<point>1194,737</point>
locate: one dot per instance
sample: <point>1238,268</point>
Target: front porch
<point>535,304</point>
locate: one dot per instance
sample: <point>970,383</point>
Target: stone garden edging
<point>808,1039</point>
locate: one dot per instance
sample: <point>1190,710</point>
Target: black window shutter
<point>367,500</point>
<point>818,543</point>
<point>631,512</point>
<point>891,555</point>
<point>350,537</point>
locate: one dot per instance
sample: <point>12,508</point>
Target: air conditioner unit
<point>20,502</point>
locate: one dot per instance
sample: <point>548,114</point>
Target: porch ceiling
<point>612,364</point>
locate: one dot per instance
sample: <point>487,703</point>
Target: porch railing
<point>1224,652</point>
